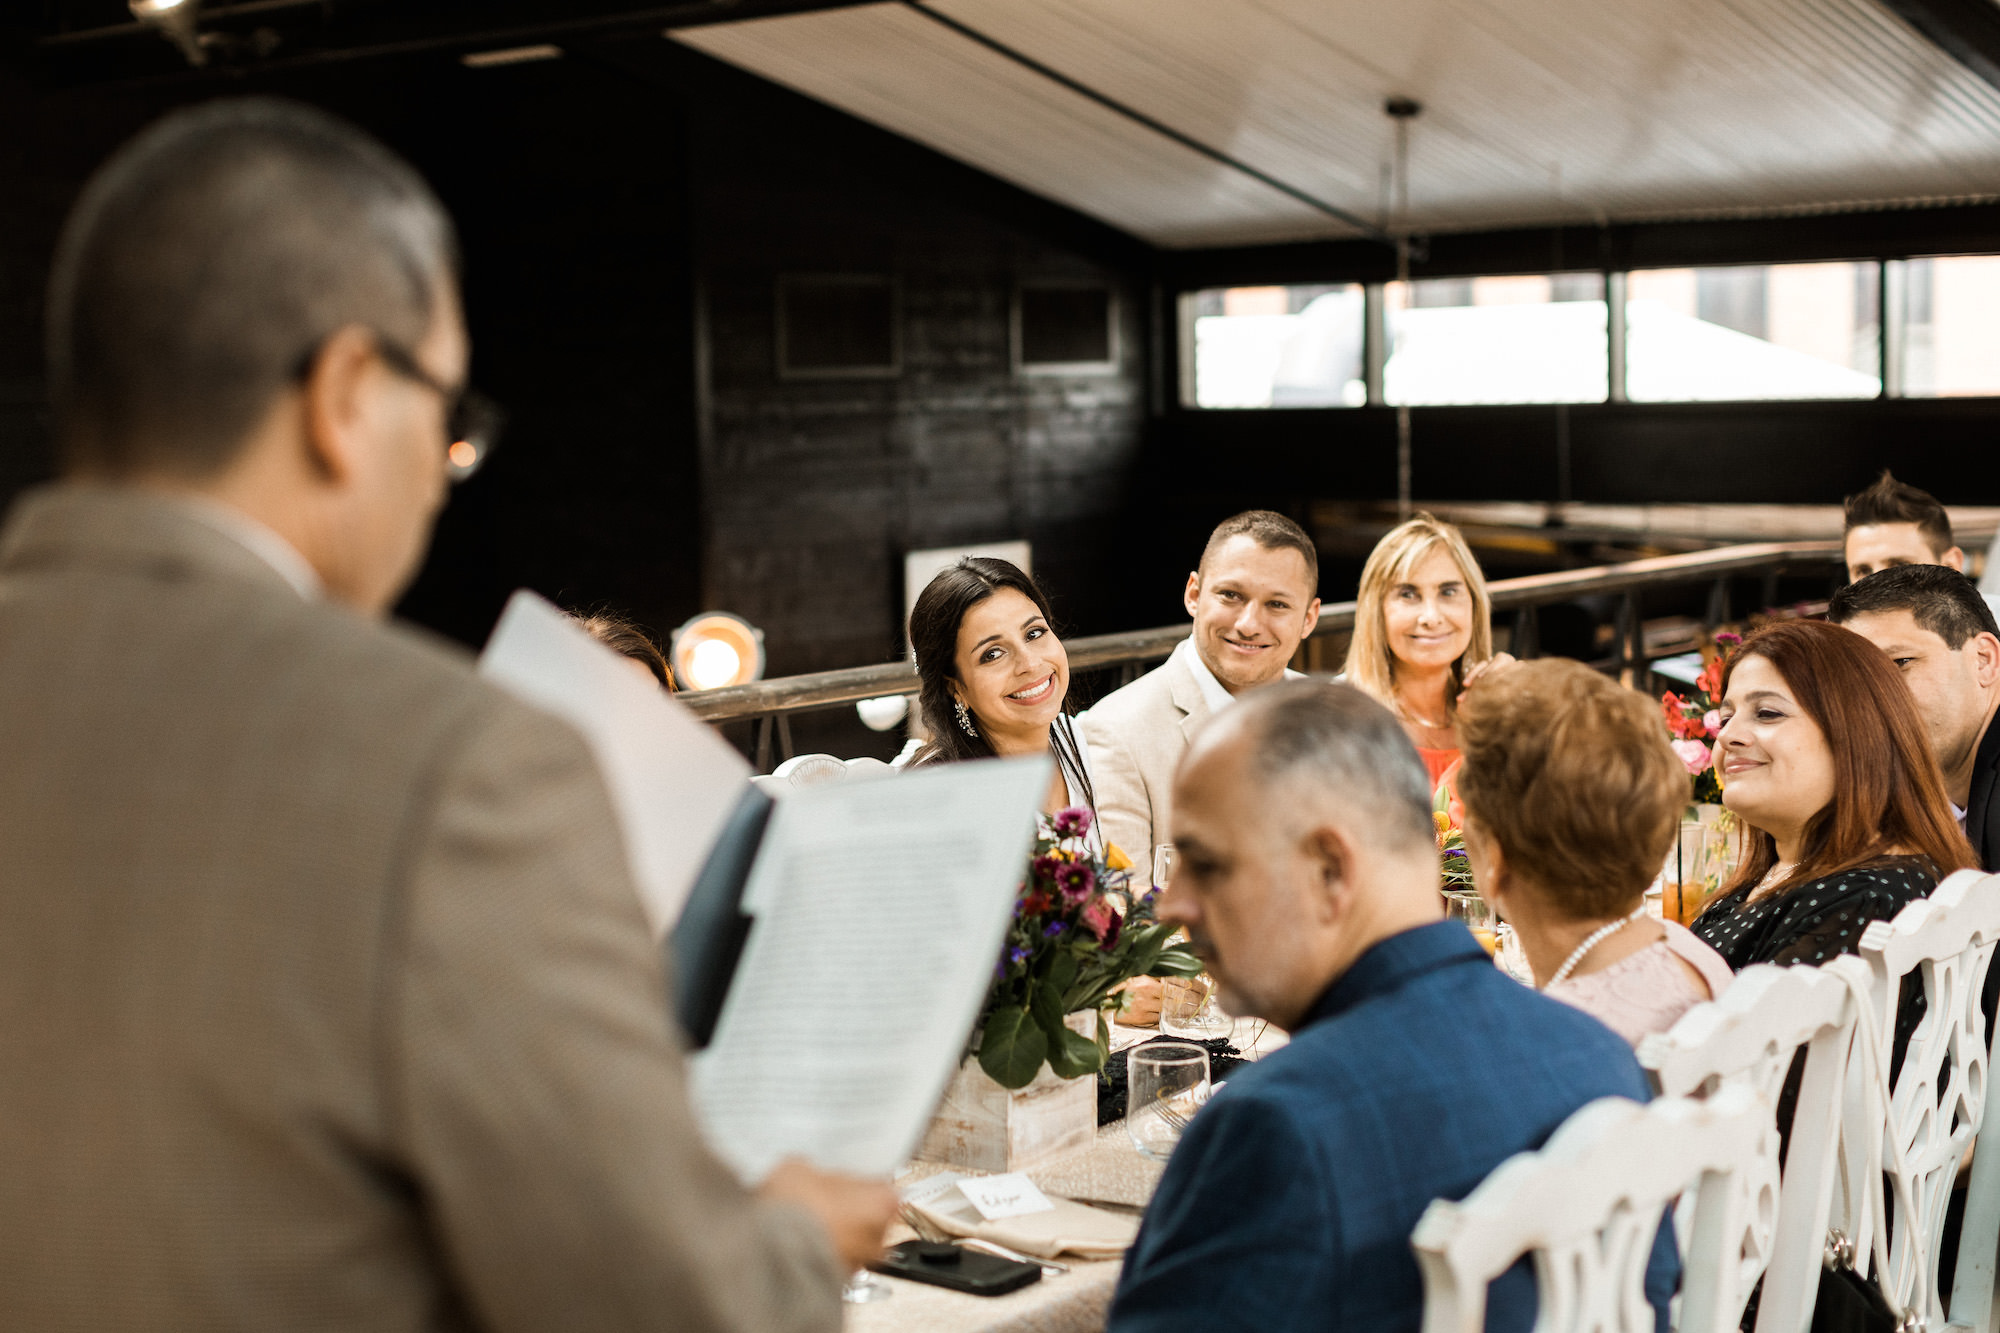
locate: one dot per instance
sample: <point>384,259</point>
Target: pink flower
<point>1073,822</point>
<point>1694,756</point>
<point>1103,921</point>
<point>1712,722</point>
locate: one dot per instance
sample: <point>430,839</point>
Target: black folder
<point>704,946</point>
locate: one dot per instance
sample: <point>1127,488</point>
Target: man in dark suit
<point>1939,631</point>
<point>325,997</point>
<point>1308,884</point>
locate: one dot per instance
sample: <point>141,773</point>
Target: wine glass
<point>863,1286</point>
<point>1166,1082</point>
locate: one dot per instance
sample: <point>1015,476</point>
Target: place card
<point>1011,1195</point>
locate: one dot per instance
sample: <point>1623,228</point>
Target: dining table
<point>1107,1173</point>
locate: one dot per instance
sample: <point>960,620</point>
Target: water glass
<point>1166,1082</point>
<point>863,1287</point>
<point>1188,1009</point>
<point>1164,861</point>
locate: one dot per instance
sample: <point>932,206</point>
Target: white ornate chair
<point>1750,1036</point>
<point>808,770</point>
<point>1917,1135</point>
<point>1587,1205</point>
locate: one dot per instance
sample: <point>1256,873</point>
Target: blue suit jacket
<point>1290,1201</point>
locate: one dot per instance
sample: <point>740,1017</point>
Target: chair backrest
<point>1587,1205</point>
<point>1919,1133</point>
<point>809,770</point>
<point>1752,1036</point>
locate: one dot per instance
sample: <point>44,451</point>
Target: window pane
<point>1753,332</point>
<point>1951,326</point>
<point>1277,346</point>
<point>1535,339</point>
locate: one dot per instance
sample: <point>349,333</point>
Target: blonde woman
<point>1423,632</point>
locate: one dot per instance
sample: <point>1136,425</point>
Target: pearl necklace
<point>1591,941</point>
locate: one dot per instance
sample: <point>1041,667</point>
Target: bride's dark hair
<point>941,608</point>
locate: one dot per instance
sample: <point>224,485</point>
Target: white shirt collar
<point>261,541</point>
<point>1213,691</point>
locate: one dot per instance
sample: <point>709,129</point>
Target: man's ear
<point>1312,618</point>
<point>334,402</point>
<point>1954,559</point>
<point>1986,659</point>
<point>1332,855</point>
<point>1192,592</point>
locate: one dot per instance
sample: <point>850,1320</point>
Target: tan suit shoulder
<point>1137,736</point>
<point>324,990</point>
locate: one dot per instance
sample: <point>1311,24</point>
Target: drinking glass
<point>1164,861</point>
<point>863,1286</point>
<point>1166,1082</point>
<point>1467,906</point>
<point>1188,1008</point>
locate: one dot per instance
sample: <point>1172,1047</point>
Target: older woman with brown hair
<point>1824,757</point>
<point>1572,797</point>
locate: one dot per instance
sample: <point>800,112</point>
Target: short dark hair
<point>1273,532</point>
<point>1349,742</point>
<point>1891,501</point>
<point>1940,599</point>
<point>205,263</point>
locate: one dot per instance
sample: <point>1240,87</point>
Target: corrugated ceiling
<point>1534,110</point>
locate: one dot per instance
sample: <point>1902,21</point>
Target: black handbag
<point>1849,1302</point>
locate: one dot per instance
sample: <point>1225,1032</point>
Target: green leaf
<point>1062,971</point>
<point>1047,1009</point>
<point>1076,1055</point>
<point>1012,1047</point>
<point>1175,963</point>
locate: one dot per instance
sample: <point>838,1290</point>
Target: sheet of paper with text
<point>673,781</point>
<point>879,909</point>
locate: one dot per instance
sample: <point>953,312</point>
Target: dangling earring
<point>965,718</point>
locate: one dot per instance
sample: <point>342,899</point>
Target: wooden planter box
<point>983,1126</point>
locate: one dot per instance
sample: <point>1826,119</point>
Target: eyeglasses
<point>472,420</point>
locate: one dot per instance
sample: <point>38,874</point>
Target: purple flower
<point>1076,881</point>
<point>1053,929</point>
<point>1073,822</point>
<point>1017,955</point>
<point>1728,640</point>
<point>1045,867</point>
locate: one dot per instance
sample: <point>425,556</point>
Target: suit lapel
<point>1980,826</point>
<point>1186,693</point>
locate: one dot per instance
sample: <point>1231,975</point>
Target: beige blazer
<point>325,997</point>
<point>1137,736</point>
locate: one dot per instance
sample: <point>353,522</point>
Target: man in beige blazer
<point>325,997</point>
<point>1254,598</point>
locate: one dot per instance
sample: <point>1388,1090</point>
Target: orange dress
<point>1437,763</point>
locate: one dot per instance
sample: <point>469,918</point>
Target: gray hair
<point>206,262</point>
<point>1346,742</point>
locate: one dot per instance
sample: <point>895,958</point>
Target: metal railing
<point>773,701</point>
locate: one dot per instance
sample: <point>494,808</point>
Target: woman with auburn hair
<point>1423,633</point>
<point>1823,756</point>
<point>1572,797</point>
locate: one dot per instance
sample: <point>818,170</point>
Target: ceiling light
<point>175,20</point>
<point>715,649</point>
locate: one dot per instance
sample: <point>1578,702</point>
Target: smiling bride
<point>995,677</point>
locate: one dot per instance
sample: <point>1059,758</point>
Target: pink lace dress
<point>1650,990</point>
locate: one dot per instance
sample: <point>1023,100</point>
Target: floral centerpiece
<point>1448,817</point>
<point>1079,931</point>
<point>1692,723</point>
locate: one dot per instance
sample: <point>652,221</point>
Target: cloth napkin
<point>1068,1228</point>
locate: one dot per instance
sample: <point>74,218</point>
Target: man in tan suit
<point>1254,598</point>
<point>325,997</point>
